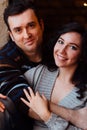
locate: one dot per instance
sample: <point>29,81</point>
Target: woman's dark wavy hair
<point>80,75</point>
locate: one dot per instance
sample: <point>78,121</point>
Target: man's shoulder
<point>7,47</point>
<point>10,54</point>
<point>10,49</point>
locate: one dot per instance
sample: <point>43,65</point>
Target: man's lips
<point>29,42</point>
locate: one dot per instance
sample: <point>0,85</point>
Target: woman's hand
<point>2,106</point>
<point>38,103</point>
<point>33,115</point>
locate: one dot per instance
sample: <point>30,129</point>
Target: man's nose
<point>26,33</point>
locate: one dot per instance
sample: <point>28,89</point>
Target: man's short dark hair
<point>18,7</point>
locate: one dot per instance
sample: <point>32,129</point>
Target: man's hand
<point>2,107</point>
<point>80,116</point>
<point>76,117</point>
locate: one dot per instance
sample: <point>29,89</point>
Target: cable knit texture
<point>43,80</point>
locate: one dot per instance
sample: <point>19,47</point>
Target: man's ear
<point>11,35</point>
<point>42,24</point>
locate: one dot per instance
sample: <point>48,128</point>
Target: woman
<point>63,83</point>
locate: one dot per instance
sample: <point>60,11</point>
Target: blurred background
<point>58,12</point>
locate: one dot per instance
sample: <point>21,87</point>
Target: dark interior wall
<point>57,12</point>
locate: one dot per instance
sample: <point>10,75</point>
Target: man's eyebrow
<point>32,22</point>
<point>15,28</point>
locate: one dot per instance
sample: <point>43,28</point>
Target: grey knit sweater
<point>43,80</point>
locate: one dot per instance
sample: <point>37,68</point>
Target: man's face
<point>26,31</point>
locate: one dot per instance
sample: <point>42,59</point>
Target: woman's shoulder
<point>33,73</point>
<point>34,69</point>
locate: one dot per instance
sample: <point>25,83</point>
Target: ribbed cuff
<point>51,120</point>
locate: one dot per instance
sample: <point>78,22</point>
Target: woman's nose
<point>63,49</point>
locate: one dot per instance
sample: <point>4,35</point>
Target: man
<point>7,110</point>
<point>22,52</point>
<point>2,106</point>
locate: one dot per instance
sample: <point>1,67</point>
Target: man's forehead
<point>22,19</point>
<point>28,13</point>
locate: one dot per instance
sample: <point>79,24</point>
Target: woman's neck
<point>66,74</point>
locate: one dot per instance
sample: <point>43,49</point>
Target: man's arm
<point>12,82</point>
<point>76,117</point>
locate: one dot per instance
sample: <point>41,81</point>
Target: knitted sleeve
<point>56,123</point>
<point>33,74</point>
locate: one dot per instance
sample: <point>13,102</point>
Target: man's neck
<point>35,57</point>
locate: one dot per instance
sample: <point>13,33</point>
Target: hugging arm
<point>76,117</point>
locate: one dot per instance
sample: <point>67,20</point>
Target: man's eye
<point>17,30</point>
<point>31,25</point>
<point>60,41</point>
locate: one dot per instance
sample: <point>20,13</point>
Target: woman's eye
<point>73,47</point>
<point>60,41</point>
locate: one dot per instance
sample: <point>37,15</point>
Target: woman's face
<point>67,49</point>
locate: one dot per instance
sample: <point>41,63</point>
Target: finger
<point>2,107</point>
<point>31,92</point>
<point>38,94</point>
<point>43,96</point>
<point>2,96</point>
<point>27,94</point>
<point>1,110</point>
<point>24,101</point>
